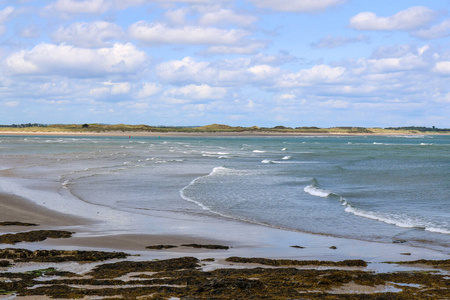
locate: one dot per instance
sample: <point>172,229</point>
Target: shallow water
<point>373,188</point>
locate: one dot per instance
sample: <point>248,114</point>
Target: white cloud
<point>77,6</point>
<point>183,70</point>
<point>120,88</point>
<point>95,34</point>
<point>4,16</point>
<point>438,31</point>
<point>408,19</point>
<point>237,72</point>
<point>70,61</point>
<point>394,64</point>
<point>247,48</point>
<point>226,16</point>
<point>442,67</point>
<point>278,59</point>
<point>318,74</point>
<point>6,13</point>
<point>262,72</point>
<point>301,6</point>
<point>189,70</point>
<point>331,42</point>
<point>423,49</point>
<point>111,89</point>
<point>149,90</point>
<point>157,33</point>
<point>177,16</point>
<point>198,92</point>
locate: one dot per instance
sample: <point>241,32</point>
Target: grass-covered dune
<point>214,128</point>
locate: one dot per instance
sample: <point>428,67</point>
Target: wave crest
<point>313,190</point>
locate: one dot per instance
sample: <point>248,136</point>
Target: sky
<point>294,63</point>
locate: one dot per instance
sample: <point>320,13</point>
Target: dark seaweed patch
<point>24,255</point>
<point>33,236</point>
<point>17,224</point>
<point>287,262</point>
<point>160,247</point>
<point>214,247</point>
<point>181,278</point>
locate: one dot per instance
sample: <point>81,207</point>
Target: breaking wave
<point>398,220</point>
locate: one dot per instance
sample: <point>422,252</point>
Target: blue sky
<point>238,62</point>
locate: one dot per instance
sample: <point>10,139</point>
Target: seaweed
<point>4,263</point>
<point>160,247</point>
<point>287,262</point>
<point>14,223</point>
<point>434,263</point>
<point>124,267</point>
<point>24,255</point>
<point>181,278</point>
<point>298,247</point>
<point>214,247</point>
<point>33,236</point>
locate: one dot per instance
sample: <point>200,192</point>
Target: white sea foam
<point>394,219</point>
<point>259,151</point>
<point>216,170</point>
<point>65,183</point>
<point>438,230</point>
<point>294,162</point>
<point>266,161</point>
<point>315,191</point>
<point>418,136</point>
<point>379,217</point>
<point>287,157</point>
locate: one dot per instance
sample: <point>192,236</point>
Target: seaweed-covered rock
<point>288,262</point>
<point>14,223</point>
<point>214,247</point>
<point>160,247</point>
<point>124,267</point>
<point>298,247</point>
<point>24,255</point>
<point>4,263</point>
<point>33,236</point>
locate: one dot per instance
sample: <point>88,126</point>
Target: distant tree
<point>85,126</point>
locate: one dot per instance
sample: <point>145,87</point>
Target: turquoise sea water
<point>388,189</point>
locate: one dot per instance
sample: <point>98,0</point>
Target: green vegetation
<point>213,128</point>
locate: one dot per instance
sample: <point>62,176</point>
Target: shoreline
<point>235,272</point>
<point>244,239</point>
<point>206,134</point>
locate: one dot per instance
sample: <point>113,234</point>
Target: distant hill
<point>214,128</point>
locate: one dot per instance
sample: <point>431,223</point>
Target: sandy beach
<point>244,240</point>
<point>285,250</point>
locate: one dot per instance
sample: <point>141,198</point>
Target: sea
<point>392,189</point>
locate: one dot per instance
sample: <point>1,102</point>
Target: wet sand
<point>176,229</point>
